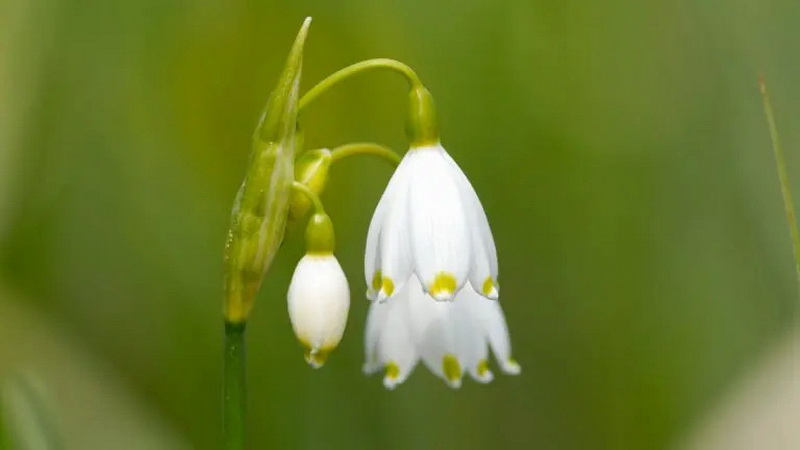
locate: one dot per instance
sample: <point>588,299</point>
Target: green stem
<point>235,395</point>
<point>303,189</point>
<point>782,175</point>
<point>347,72</point>
<point>365,148</point>
<point>5,427</point>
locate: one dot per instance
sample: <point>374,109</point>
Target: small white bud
<point>319,300</point>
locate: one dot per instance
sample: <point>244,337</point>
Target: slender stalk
<point>347,72</point>
<point>365,148</point>
<point>303,189</point>
<point>788,205</point>
<point>235,395</point>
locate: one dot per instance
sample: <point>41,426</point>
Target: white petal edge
<point>492,321</point>
<point>395,251</point>
<point>397,351</point>
<point>372,253</point>
<point>483,265</point>
<point>434,335</point>
<point>376,319</point>
<point>471,346</point>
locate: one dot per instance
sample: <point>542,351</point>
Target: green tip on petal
<point>489,289</point>
<point>377,279</point>
<point>392,377</point>
<point>387,286</point>
<point>316,357</point>
<point>483,367</point>
<point>511,367</point>
<point>452,370</point>
<point>392,370</point>
<point>482,372</point>
<point>443,286</point>
<point>381,288</point>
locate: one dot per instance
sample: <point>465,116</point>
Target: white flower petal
<point>372,255</point>
<point>434,334</point>
<point>395,252</point>
<point>483,267</point>
<point>471,346</point>
<point>440,237</point>
<point>376,321</point>
<point>318,302</point>
<point>396,348</point>
<point>481,276</point>
<point>493,323</point>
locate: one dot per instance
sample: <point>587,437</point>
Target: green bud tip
<point>274,122</point>
<point>320,239</point>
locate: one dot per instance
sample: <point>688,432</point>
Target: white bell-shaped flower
<point>319,297</point>
<point>319,300</point>
<point>449,337</point>
<point>429,223</point>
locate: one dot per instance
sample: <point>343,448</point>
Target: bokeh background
<point>619,148</point>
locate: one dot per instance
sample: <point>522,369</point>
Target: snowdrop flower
<point>449,337</point>
<point>319,298</point>
<point>429,238</point>
<point>430,224</point>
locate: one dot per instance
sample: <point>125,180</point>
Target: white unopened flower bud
<point>319,300</point>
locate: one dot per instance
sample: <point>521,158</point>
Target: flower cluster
<point>430,261</point>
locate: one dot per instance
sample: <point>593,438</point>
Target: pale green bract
<point>261,207</point>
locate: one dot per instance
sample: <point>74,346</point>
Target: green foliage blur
<point>619,149</point>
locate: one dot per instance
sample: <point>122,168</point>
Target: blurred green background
<point>619,148</point>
